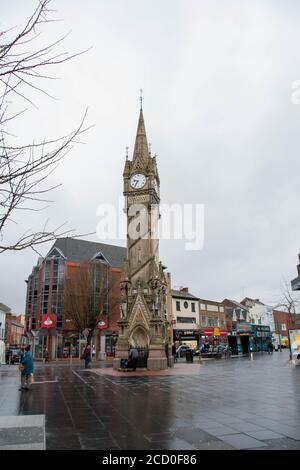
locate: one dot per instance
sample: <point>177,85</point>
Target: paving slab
<point>242,441</point>
<point>186,410</point>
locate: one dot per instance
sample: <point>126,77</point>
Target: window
<point>185,304</point>
<point>186,320</point>
<point>177,306</point>
<point>204,321</point>
<point>210,321</point>
<point>193,307</point>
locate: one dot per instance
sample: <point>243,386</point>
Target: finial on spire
<point>150,145</point>
<point>127,148</point>
<point>141,98</point>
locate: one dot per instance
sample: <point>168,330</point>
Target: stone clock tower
<point>143,312</point>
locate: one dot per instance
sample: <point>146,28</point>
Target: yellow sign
<point>216,331</point>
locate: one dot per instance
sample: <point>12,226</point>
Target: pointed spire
<point>141,150</point>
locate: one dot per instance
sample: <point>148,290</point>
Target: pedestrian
<point>26,368</point>
<point>46,355</point>
<point>87,356</point>
<point>133,357</point>
<point>270,347</point>
<point>174,354</point>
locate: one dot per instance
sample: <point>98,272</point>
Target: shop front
<point>189,337</point>
<point>262,337</point>
<point>111,338</point>
<point>214,336</point>
<point>241,340</point>
<point>68,344</point>
<point>249,338</point>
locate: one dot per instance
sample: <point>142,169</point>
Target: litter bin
<point>189,356</point>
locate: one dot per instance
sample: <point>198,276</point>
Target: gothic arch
<point>139,337</point>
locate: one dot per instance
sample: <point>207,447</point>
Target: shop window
<point>186,320</point>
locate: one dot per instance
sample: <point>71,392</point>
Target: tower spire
<point>141,150</point>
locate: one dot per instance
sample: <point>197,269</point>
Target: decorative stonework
<point>143,316</point>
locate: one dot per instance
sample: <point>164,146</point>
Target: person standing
<point>133,356</point>
<point>27,371</point>
<point>174,354</point>
<point>87,356</point>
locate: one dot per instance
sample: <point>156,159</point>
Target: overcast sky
<point>217,80</point>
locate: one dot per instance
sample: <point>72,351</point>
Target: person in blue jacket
<point>27,362</point>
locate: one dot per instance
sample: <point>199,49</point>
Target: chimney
<point>184,289</point>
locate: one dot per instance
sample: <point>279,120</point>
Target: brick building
<point>283,322</point>
<point>46,298</point>
<point>14,330</point>
<point>212,322</point>
<point>238,326</point>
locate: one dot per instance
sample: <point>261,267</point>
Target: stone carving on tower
<point>143,316</point>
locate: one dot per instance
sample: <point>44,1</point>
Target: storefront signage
<point>216,331</point>
<point>244,327</point>
<point>261,331</point>
<point>48,321</point>
<point>180,335</point>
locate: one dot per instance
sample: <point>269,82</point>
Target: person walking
<point>133,356</point>
<point>87,356</point>
<point>46,355</point>
<point>27,368</point>
<point>270,347</point>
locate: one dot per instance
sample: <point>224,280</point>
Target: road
<point>243,403</point>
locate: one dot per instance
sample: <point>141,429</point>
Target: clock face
<point>138,181</point>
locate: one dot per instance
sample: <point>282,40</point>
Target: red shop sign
<point>48,321</point>
<point>102,324</point>
<point>210,332</point>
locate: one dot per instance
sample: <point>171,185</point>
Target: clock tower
<point>143,311</point>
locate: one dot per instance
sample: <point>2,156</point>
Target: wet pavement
<point>243,403</point>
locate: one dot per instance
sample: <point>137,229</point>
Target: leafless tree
<point>90,294</point>
<point>24,169</point>
<point>289,301</point>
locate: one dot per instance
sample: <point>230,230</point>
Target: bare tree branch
<point>24,169</point>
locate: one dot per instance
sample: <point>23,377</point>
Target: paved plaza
<point>241,403</point>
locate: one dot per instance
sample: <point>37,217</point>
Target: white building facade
<point>259,313</point>
<point>185,314</point>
